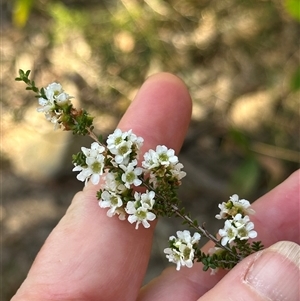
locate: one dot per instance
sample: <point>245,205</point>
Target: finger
<point>272,274</point>
<point>88,255</point>
<point>276,218</point>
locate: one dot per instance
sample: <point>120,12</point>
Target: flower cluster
<point>140,192</point>
<point>118,166</point>
<point>237,224</point>
<point>238,229</point>
<point>139,209</point>
<point>182,248</point>
<point>56,105</point>
<point>52,102</point>
<point>234,206</point>
<point>124,145</point>
<point>163,164</point>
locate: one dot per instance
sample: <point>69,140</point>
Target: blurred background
<point>240,60</point>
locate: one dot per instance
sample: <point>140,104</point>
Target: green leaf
<point>99,193</point>
<point>23,76</point>
<point>79,159</point>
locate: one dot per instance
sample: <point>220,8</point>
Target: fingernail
<point>275,272</point>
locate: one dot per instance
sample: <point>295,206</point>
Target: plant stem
<point>192,225</point>
<point>203,231</point>
<point>93,135</point>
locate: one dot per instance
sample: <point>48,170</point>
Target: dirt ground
<point>238,66</point>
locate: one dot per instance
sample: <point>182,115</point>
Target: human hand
<point>91,257</point>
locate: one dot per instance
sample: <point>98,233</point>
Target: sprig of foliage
<point>24,77</point>
<point>58,109</point>
<point>115,162</point>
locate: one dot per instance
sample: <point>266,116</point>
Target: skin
<point>89,256</point>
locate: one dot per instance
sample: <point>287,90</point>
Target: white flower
<point>114,202</point>
<point>92,171</point>
<point>166,156</point>
<point>139,214</point>
<point>110,199</point>
<point>147,199</point>
<point>54,117</point>
<point>242,204</point>
<point>45,105</point>
<point>111,183</point>
<point>186,237</point>
<point>62,99</point>
<point>182,250</point>
<point>55,95</point>
<point>244,227</point>
<point>131,173</point>
<point>84,174</point>
<point>116,138</point>
<point>162,156</point>
<point>176,257</point>
<point>150,160</point>
<point>55,98</point>
<point>177,172</point>
<point>48,108</point>
<point>224,211</point>
<point>162,163</point>
<point>233,207</point>
<point>137,141</point>
<point>95,149</point>
<point>53,90</point>
<point>239,227</point>
<point>122,144</point>
<point>94,164</point>
<point>228,233</point>
<point>111,196</point>
<point>122,152</point>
